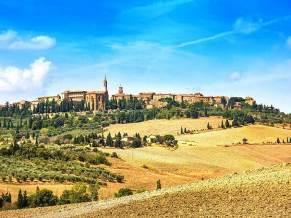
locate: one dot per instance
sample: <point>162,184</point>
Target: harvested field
<point>162,127</point>
<point>199,158</point>
<point>260,193</point>
<point>256,134</point>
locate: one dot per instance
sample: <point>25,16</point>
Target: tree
<point>245,141</point>
<point>227,125</point>
<point>170,140</point>
<point>159,185</point>
<point>205,112</point>
<point>118,143</point>
<point>235,122</point>
<point>77,194</point>
<point>136,141</point>
<point>25,200</point>
<point>93,189</point>
<point>109,141</point>
<point>43,198</point>
<point>19,202</point>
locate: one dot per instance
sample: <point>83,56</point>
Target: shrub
<point>114,155</point>
<point>76,195</point>
<point>119,178</point>
<point>170,140</point>
<point>123,192</point>
<point>43,198</point>
<point>245,141</point>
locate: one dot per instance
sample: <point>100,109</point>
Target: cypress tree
<point>118,143</point>
<point>227,125</point>
<point>159,186</point>
<point>109,141</point>
<point>25,199</point>
<point>19,202</point>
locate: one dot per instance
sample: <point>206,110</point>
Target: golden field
<point>198,156</point>
<point>162,127</point>
<point>256,134</point>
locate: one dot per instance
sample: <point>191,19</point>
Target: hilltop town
<point>96,100</point>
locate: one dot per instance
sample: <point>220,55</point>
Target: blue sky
<point>218,47</point>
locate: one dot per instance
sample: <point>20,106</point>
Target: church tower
<point>106,88</point>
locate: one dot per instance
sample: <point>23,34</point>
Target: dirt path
<point>260,193</point>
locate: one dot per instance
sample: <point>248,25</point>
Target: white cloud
<point>155,9</point>
<point>12,41</point>
<point>267,82</point>
<point>247,26</point>
<point>14,79</point>
<point>288,42</point>
<point>241,26</point>
<point>7,36</point>
<point>235,76</point>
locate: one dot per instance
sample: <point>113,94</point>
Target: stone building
<point>56,98</point>
<point>250,101</point>
<point>94,100</point>
<point>23,104</point>
<point>121,95</point>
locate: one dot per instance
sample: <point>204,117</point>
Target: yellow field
<point>199,156</point>
<point>256,134</point>
<point>162,127</point>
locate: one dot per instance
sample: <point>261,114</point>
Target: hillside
<point>256,134</point>
<point>193,160</point>
<point>259,193</point>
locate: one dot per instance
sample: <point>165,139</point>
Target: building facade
<point>93,100</point>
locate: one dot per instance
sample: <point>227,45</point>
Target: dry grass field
<point>162,127</point>
<point>259,193</point>
<point>256,134</point>
<point>199,156</point>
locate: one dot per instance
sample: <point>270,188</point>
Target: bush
<point>123,192</point>
<point>119,178</point>
<point>76,195</point>
<point>114,155</point>
<point>43,198</point>
<point>170,140</point>
<point>245,141</point>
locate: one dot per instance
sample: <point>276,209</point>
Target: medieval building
<point>93,100</point>
<point>96,100</point>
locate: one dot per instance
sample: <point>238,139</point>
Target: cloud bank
<point>11,40</point>
<point>14,79</point>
